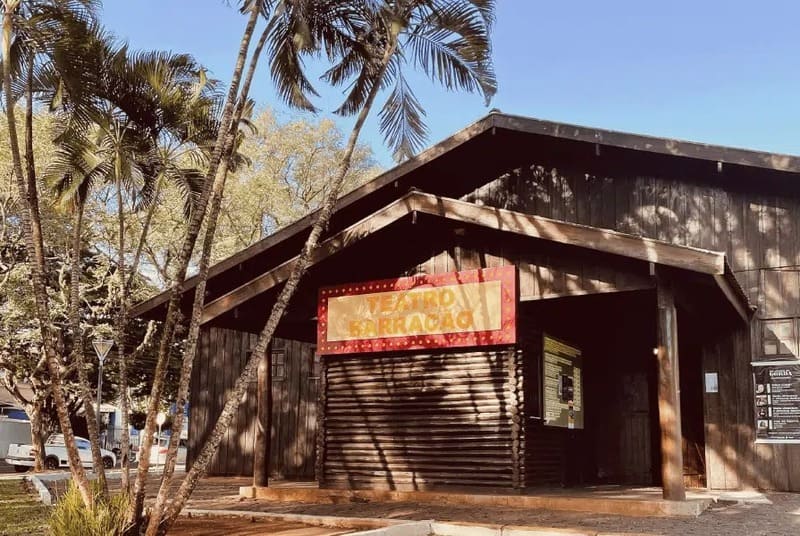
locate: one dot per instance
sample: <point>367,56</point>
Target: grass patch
<point>20,510</point>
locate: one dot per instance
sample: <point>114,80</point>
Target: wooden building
<point>654,339</point>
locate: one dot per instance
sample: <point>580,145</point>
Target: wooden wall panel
<point>755,223</point>
<point>222,355</point>
<point>419,421</point>
<point>545,270</point>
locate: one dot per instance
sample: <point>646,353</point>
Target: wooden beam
<point>669,402</point>
<point>645,249</point>
<point>263,441</point>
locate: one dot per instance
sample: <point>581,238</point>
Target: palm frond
<point>402,121</point>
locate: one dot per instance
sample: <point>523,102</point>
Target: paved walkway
<point>778,515</point>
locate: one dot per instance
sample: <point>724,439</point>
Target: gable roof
<point>386,187</point>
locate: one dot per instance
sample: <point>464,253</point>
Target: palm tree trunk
<point>234,398</point>
<point>34,245</point>
<point>197,305</point>
<point>176,290</point>
<point>121,329</point>
<point>76,355</point>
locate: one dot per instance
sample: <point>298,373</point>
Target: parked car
<point>55,454</point>
<point>158,452</point>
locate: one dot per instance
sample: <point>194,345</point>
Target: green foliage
<point>71,517</point>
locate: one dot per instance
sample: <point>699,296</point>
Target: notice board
<point>777,402</point>
<point>562,384</point>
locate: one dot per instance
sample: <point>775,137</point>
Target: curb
<point>335,522</point>
<point>44,493</point>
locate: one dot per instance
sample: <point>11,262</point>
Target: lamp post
<point>101,348</point>
<point>160,419</point>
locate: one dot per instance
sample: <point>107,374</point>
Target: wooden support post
<point>669,401</point>
<point>263,441</point>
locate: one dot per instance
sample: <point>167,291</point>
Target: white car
<point>158,452</point>
<point>55,454</point>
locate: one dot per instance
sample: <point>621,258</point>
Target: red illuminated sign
<point>470,308</point>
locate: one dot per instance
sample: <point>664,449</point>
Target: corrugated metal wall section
<point>421,421</point>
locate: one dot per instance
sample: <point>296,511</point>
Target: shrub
<point>71,517</point>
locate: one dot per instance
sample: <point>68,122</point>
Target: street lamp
<point>160,419</point>
<point>101,348</point>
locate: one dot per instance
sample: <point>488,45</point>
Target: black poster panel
<point>777,403</point>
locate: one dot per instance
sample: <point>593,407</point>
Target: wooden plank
<point>609,209</point>
<point>243,444</point>
<point>623,191</point>
<point>219,391</point>
<point>712,418</point>
<point>582,206</point>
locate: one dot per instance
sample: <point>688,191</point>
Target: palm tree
<point>35,31</point>
<point>371,41</point>
<point>151,118</point>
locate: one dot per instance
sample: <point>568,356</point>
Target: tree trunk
<point>199,295</point>
<point>176,290</point>
<point>37,435</point>
<point>122,326</point>
<point>234,398</point>
<point>32,229</point>
<point>76,355</point>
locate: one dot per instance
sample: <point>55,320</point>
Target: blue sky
<point>716,71</point>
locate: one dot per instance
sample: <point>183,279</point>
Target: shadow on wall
<point>418,421</point>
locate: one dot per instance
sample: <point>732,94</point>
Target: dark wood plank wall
<point>222,355</point>
<point>546,270</point>
<point>421,421</point>
<point>294,406</point>
<point>756,223</point>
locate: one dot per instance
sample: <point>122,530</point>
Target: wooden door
<point>636,461</point>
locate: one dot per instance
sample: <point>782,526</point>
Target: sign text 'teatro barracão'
<point>470,308</point>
